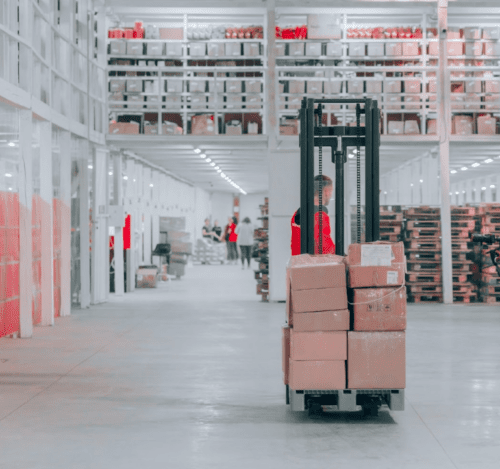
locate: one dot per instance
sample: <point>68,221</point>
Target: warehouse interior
<point>129,337</point>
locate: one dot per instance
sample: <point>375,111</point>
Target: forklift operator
<point>328,244</point>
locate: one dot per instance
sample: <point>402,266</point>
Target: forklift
<point>340,139</point>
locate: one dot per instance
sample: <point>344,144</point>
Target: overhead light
<point>385,193</point>
<point>10,188</point>
<point>219,170</point>
<point>483,188</point>
<point>464,168</point>
<point>453,171</point>
<point>208,160</point>
<point>216,167</point>
<point>197,151</point>
<point>222,175</point>
<point>411,185</point>
<point>90,166</point>
<point>475,165</point>
<point>134,180</point>
<point>110,173</point>
<point>8,175</point>
<point>463,192</point>
<point>126,178</point>
<point>212,164</point>
<point>492,186</point>
<point>351,156</point>
<point>151,185</point>
<point>489,160</point>
<point>355,151</point>
<point>203,155</point>
<point>11,144</point>
<point>451,193</point>
<point>457,193</point>
<point>421,180</point>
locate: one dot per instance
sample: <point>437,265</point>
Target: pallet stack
<point>463,224</point>
<point>423,254</point>
<point>489,215</point>
<point>261,236</point>
<point>391,223</point>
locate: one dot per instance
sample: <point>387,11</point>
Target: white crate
<point>357,49</point>
<point>173,86</point>
<point>134,86</point>
<point>473,48</point>
<point>154,48</point>
<point>373,86</point>
<point>174,49</point>
<point>355,86</point>
<point>215,49</point>
<point>375,49</point>
<point>197,86</point>
<point>197,49</point>
<point>313,49</point>
<point>251,49</point>
<point>233,86</point>
<point>314,87</point>
<point>117,47</point>
<point>233,49</point>
<point>394,49</point>
<point>332,87</point>
<point>334,49</point>
<point>253,86</point>
<point>296,49</point>
<point>253,102</point>
<point>135,48</point>
<point>220,86</point>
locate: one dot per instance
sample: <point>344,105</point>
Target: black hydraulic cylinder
<point>368,173</point>
<point>339,203</point>
<point>376,172</point>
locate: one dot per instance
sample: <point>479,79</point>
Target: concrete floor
<point>189,376</point>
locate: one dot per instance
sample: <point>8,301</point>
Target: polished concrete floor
<point>189,376</point>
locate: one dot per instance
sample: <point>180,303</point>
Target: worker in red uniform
<point>328,244</point>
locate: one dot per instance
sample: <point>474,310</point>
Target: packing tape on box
<point>381,298</point>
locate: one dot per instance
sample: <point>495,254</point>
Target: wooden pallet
<point>425,298</point>
<point>424,288</point>
<point>459,244</point>
<point>488,229</point>
<point>490,219</point>
<point>390,229</point>
<point>464,298</point>
<point>393,238</point>
<point>461,266</point>
<point>463,211</point>
<point>415,266</point>
<point>391,216</point>
<point>422,211</point>
<point>460,233</point>
<point>463,224</point>
<point>493,290</point>
<point>466,288</point>
<point>424,277</point>
<point>423,224</point>
<point>423,255</point>
<point>488,209</point>
<point>423,233</point>
<point>459,256</point>
<point>425,244</point>
<point>488,279</point>
<point>492,299</point>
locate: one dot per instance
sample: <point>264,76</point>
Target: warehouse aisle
<point>189,376</point>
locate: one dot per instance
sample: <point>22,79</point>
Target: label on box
<point>376,255</point>
<point>139,277</point>
<point>392,277</point>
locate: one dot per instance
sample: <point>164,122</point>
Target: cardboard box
<point>453,33</point>
<point>379,309</point>
<point>411,49</point>
<point>334,49</point>
<point>431,126</point>
<point>253,102</point>
<point>198,49</point>
<point>253,86</point>
<point>490,86</point>
<point>251,49</point>
<point>215,49</point>
<point>412,86</point>
<point>173,85</point>
<point>197,86</point>
<point>234,101</point>
<point>317,375</point>
<point>473,48</point>
<point>376,360</point>
<point>411,127</point>
<point>171,128</point>
<point>314,87</point>
<point>173,102</point>
<point>462,125</point>
<point>171,33</point>
<point>393,49</point>
<point>473,86</point>
<point>377,264</point>
<point>294,103</point>
<point>202,125</point>
<point>472,101</point>
<point>373,86</point>
<point>151,86</point>
<point>492,49</point>
<point>393,86</point>
<point>117,86</point>
<point>116,97</point>
<point>174,49</point>
<point>154,48</point>
<point>134,86</point>
<point>296,86</point>
<point>146,278</point>
<point>135,48</point>
<point>212,88</point>
<point>233,129</point>
<point>296,48</point>
<point>321,345</point>
<point>285,352</point>
<point>233,86</point>
<point>321,321</point>
<point>117,47</point>
<point>321,299</point>
<point>124,128</point>
<point>355,86</point>
<point>494,102</point>
<point>486,125</point>
<point>332,87</point>
<point>135,101</point>
<point>412,99</point>
<point>233,49</point>
<point>307,272</point>
<point>457,101</point>
<point>313,49</point>
<point>454,63</point>
<point>198,102</point>
<point>324,26</point>
<point>357,49</point>
<point>376,49</point>
<point>393,102</point>
<point>291,127</point>
<point>491,32</point>
<point>253,128</point>
<point>472,33</point>
<point>396,127</point>
<point>455,48</point>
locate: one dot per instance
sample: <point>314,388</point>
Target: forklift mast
<point>339,138</point>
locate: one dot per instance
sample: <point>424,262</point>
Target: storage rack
<point>261,235</point>
<point>489,216</point>
<point>181,78</point>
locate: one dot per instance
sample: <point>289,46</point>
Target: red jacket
<point>328,244</point>
<point>233,237</point>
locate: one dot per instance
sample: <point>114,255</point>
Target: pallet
<point>492,299</point>
<point>390,216</point>
<point>459,256</point>
<point>488,209</point>
<point>423,233</point>
<point>493,290</point>
<point>425,298</point>
<point>463,211</point>
<point>464,288</point>
<point>424,255</point>
<point>461,266</point>
<point>423,265</point>
<point>460,233</point>
<point>487,279</point>
<point>464,298</point>
<point>425,288</point>
<point>425,244</point>
<point>490,219</point>
<point>422,211</point>
<point>390,229</point>
<point>463,224</point>
<point>423,224</point>
<point>393,238</point>
<point>459,245</point>
<point>490,229</point>
<point>423,277</point>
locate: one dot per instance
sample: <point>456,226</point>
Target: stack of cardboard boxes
<point>327,346</point>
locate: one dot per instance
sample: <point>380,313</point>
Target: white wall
<point>222,207</point>
<point>249,207</point>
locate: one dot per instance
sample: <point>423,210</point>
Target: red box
<point>129,128</point>
<point>312,272</point>
<point>376,360</point>
<point>377,264</point>
<point>320,375</point>
<point>379,309</point>
<point>11,288</point>
<point>285,345</point>
<point>9,311</point>
<point>486,125</point>
<point>320,345</point>
<point>321,321</point>
<point>321,299</point>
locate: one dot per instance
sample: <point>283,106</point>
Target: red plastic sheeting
<point>9,263</point>
<point>126,233</point>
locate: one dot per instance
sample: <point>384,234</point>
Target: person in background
<point>245,239</point>
<point>226,239</point>
<point>233,238</point>
<point>206,231</point>
<point>217,232</point>
<point>328,244</point>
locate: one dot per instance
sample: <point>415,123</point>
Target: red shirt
<point>328,244</point>
<point>233,237</point>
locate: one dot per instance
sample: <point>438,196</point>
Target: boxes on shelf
<point>334,49</point>
<point>492,49</point>
<point>135,48</point>
<point>396,127</point>
<point>233,49</point>
<point>289,127</point>
<point>411,49</point>
<point>117,47</point>
<point>215,49</point>
<point>280,49</point>
<point>296,86</point>
<point>324,26</point>
<point>333,87</point>
<point>491,32</point>
<point>393,49</point>
<point>313,49</point>
<point>296,49</point>
<point>373,86</point>
<point>151,86</point>
<point>134,86</point>
<point>431,126</point>
<point>197,86</point>
<point>154,48</point>
<point>173,85</point>
<point>376,49</point>
<point>203,124</point>
<point>233,128</point>
<point>253,86</point>
<point>314,87</point>
<point>251,49</point>
<point>357,49</point>
<point>494,100</point>
<point>233,86</point>
<point>253,128</point>
<point>212,86</point>
<point>355,86</point>
<point>253,102</point>
<point>117,86</point>
<point>135,101</point>
<point>412,86</point>
<point>455,48</point>
<point>173,102</point>
<point>146,276</point>
<point>171,128</point>
<point>233,101</point>
<point>473,86</point>
<point>472,33</point>
<point>393,86</point>
<point>393,102</point>
<point>124,128</point>
<point>171,33</point>
<point>412,99</point>
<point>198,101</point>
<point>491,86</point>
<point>472,101</point>
<point>116,97</point>
<point>462,125</point>
<point>473,49</point>
<point>173,49</point>
<point>486,125</point>
<point>411,127</point>
<point>198,49</point>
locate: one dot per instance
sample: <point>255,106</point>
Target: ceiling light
<point>492,186</point>
<point>126,178</point>
<point>203,155</point>
<point>457,193</point>
<point>151,185</point>
<point>463,192</point>
<point>483,188</point>
<point>11,144</point>
<point>464,168</point>
<point>212,164</point>
<point>411,185</point>
<point>90,166</point>
<point>8,175</point>
<point>197,150</point>
<point>351,156</point>
<point>216,167</point>
<point>475,165</point>
<point>110,173</point>
<point>451,193</point>
<point>421,180</point>
<point>208,160</point>
<point>219,170</point>
<point>489,160</point>
<point>452,171</point>
<point>134,180</point>
<point>10,188</point>
<point>222,175</point>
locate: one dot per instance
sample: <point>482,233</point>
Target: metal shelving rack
<point>215,72</point>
